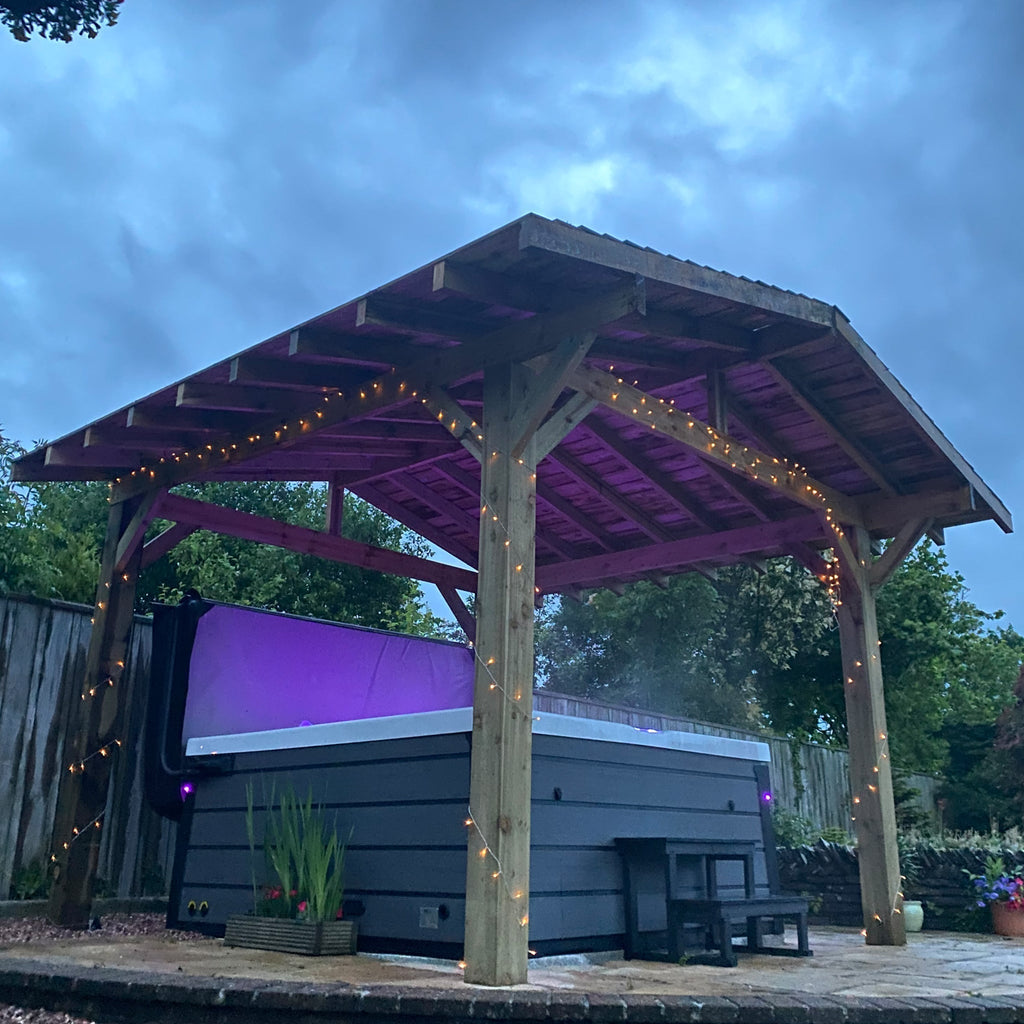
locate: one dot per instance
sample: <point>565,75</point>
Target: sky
<point>204,175</point>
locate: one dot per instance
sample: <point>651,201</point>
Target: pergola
<point>559,410</point>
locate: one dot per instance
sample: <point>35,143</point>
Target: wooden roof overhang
<point>710,418</point>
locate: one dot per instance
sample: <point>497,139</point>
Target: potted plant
<point>300,910</point>
<point>1003,891</point>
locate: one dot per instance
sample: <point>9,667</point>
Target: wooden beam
<point>135,531</point>
<point>519,341</point>
<point>163,542</point>
<point>335,512</point>
<point>498,861</point>
<point>488,287</point>
<point>234,397</point>
<point>562,422</point>
<point>712,446</point>
<point>546,386</point>
<point>902,544</point>
<point>205,516</point>
<point>171,418</point>
<point>95,733</point>
<point>873,810</point>
<point>347,348</point>
<point>463,616</point>
<point>459,423</point>
<point>565,508</point>
<point>282,373</point>
<point>787,375</point>
<point>675,555</point>
<point>375,496</point>
<point>586,246</point>
<point>402,317</point>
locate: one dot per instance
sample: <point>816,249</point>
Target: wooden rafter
<point>347,348</point>
<point>648,469</point>
<point>788,376</point>
<point>424,527</point>
<point>520,341</point>
<point>629,510</point>
<point>712,446</point>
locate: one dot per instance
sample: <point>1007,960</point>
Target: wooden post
<point>497,875</point>
<point>873,808</point>
<point>95,742</point>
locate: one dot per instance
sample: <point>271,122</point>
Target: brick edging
<point>131,997</point>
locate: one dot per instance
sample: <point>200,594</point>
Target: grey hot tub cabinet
<point>401,785</point>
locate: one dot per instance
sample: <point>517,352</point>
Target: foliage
<point>306,856</point>
<point>51,536</point>
<point>1006,764</point>
<point>694,647</point>
<point>792,830</point>
<point>57,19</point>
<point>996,885</point>
<point>31,882</point>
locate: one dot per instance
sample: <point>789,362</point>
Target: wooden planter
<point>310,938</point>
<point>1007,921</point>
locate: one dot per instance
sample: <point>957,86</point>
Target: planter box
<point>1007,921</point>
<point>310,938</point>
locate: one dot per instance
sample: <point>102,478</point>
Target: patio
<point>937,976</point>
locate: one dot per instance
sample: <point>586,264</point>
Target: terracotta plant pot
<point>1007,920</point>
<point>310,938</point>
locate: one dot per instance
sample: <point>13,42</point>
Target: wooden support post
<point>497,875</point>
<point>873,809</point>
<point>335,505</point>
<point>95,741</point>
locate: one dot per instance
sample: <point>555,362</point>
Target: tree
<point>51,536</point>
<point>57,20</point>
<point>1007,760</point>
<point>759,646</point>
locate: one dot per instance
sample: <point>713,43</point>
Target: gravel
<point>38,929</point>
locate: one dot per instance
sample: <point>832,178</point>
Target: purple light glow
<point>250,670</point>
<point>766,797</point>
<point>186,790</point>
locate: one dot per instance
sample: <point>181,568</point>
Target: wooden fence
<point>42,659</point>
<point>42,663</point>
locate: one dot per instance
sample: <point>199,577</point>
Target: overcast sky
<point>208,173</point>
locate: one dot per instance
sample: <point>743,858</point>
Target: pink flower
<point>338,916</point>
<point>302,907</point>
